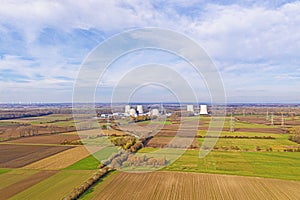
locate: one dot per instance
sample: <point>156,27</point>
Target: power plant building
<point>154,112</point>
<point>190,108</point>
<point>139,108</point>
<point>127,109</point>
<point>203,110</point>
<point>132,112</point>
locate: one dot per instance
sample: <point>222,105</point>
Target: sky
<point>254,45</point>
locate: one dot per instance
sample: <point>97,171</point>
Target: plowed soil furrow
<point>193,186</point>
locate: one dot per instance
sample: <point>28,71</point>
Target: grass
<point>91,162</point>
<point>56,186</point>
<point>3,170</point>
<point>279,165</point>
<point>47,120</point>
<point>155,122</point>
<point>9,177</point>
<point>249,134</point>
<point>7,123</point>
<point>251,144</point>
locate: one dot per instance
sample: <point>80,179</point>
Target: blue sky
<point>255,45</point>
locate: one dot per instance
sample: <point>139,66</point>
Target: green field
<point>2,171</point>
<point>91,162</point>
<point>57,186</point>
<point>281,165</point>
<point>249,134</point>
<point>252,144</point>
<point>47,120</point>
<point>14,176</point>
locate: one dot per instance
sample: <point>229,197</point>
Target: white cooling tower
<point>154,112</point>
<point>190,108</point>
<point>139,108</point>
<point>203,110</point>
<point>127,109</point>
<point>132,112</point>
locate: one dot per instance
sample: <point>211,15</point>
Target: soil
<point>14,156</point>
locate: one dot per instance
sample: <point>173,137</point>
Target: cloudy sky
<point>255,46</point>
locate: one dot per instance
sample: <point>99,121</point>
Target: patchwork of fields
<point>47,167</point>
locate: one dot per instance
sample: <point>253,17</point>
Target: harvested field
<point>17,187</point>
<point>181,185</point>
<point>161,142</point>
<point>48,139</point>
<point>60,160</point>
<point>14,156</point>
<point>14,176</point>
<point>56,186</point>
<point>94,132</point>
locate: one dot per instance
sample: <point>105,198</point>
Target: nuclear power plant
<point>154,112</point>
<point>132,112</point>
<point>127,109</point>
<point>203,110</point>
<point>139,108</point>
<point>190,108</point>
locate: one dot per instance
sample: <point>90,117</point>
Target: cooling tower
<point>154,112</point>
<point>132,112</point>
<point>203,110</point>
<point>127,109</point>
<point>139,108</point>
<point>190,108</point>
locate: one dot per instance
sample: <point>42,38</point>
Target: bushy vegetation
<point>125,142</point>
<point>74,142</point>
<point>295,134</point>
<point>87,184</point>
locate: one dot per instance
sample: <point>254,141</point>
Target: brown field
<point>17,187</point>
<point>48,139</point>
<point>94,132</point>
<point>262,120</point>
<point>14,156</point>
<point>254,130</point>
<point>161,142</point>
<point>13,131</point>
<point>181,185</point>
<point>60,160</point>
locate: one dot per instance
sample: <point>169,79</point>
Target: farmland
<point>14,156</point>
<point>56,186</point>
<point>49,165</point>
<point>182,185</point>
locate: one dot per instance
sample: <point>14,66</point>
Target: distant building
<point>139,108</point>
<point>203,110</point>
<point>154,112</point>
<point>132,112</point>
<point>127,109</point>
<point>190,108</point>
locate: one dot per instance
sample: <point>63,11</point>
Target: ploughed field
<point>48,139</point>
<point>14,156</point>
<point>191,186</point>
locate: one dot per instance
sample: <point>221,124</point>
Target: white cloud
<point>245,40</point>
